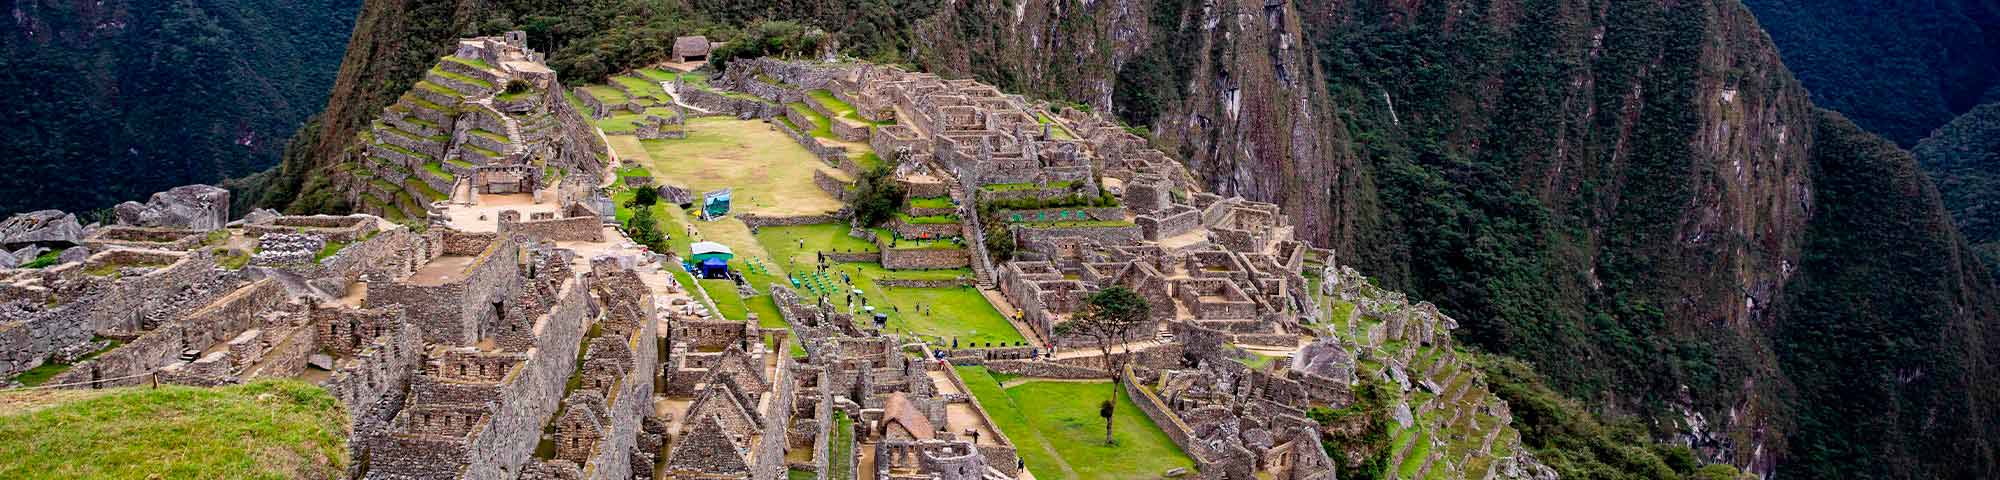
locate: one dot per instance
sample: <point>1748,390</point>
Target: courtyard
<point>1056,429</point>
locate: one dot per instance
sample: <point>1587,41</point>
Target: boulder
<point>41,228</point>
<point>189,207</point>
<point>320,361</point>
<point>74,255</point>
<point>7,260</point>
<point>28,253</point>
<point>261,216</point>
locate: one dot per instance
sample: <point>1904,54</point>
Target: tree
<point>644,230</point>
<point>1108,316</point>
<point>876,197</point>
<point>1105,410</point>
<point>645,197</point>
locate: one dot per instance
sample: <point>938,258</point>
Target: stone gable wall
<point>632,403</point>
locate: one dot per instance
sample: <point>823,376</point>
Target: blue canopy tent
<point>714,268</point>
<point>711,259</point>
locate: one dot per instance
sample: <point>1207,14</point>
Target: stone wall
<point>1064,214</point>
<point>1156,227</point>
<point>759,221</point>
<point>924,230</point>
<point>456,313</point>
<point>212,324</point>
<point>1177,430</point>
<point>769,451</point>
<point>924,258</point>
<point>853,257</point>
<point>1031,235</point>
<point>914,283</point>
<point>728,105</point>
<point>834,156</point>
<point>632,402</point>
<point>369,383</point>
<point>1031,368</point>
<point>832,186</point>
<point>588,228</point>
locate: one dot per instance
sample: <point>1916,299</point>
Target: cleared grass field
<point>1056,430</point>
<point>266,429</point>
<point>771,174</point>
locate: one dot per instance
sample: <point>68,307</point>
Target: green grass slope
<point>267,429</point>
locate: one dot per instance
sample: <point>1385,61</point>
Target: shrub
<point>518,86</point>
<point>645,197</point>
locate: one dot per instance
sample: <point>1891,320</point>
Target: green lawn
<point>840,108</point>
<point>267,429</point>
<point>821,127</point>
<point>960,312</point>
<point>931,202</point>
<point>928,219</point>
<point>841,459</point>
<point>1064,429</point>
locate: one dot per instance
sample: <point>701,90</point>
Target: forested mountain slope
<point>1963,158</point>
<point>112,100</point>
<point>1635,196</point>
<point>1899,69</point>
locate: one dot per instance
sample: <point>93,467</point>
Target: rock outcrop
<point>187,207</point>
<point>45,227</point>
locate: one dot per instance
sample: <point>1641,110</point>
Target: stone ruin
<point>488,119</point>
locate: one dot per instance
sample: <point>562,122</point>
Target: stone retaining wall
<point>833,156</point>
<point>1032,236</point>
<point>919,230</point>
<point>853,257</point>
<point>924,258</point>
<point>1031,368</point>
<point>832,186</point>
<point>1057,214</point>
<point>910,283</point>
<point>760,221</point>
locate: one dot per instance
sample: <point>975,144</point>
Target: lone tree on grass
<point>1105,410</point>
<point>1108,317</point>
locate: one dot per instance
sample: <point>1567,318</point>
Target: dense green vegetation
<point>267,429</point>
<point>1566,437</point>
<point>1893,382</point>
<point>186,92</point>
<point>1963,158</point>
<point>1899,69</point>
<point>1494,251</point>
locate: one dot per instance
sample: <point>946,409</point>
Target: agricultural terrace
<point>957,312</point>
<point>1064,436</point>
